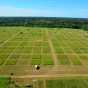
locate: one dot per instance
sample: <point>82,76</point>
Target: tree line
<point>51,22</point>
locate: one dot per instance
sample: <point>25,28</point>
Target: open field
<point>67,83</point>
<point>64,82</point>
<point>30,46</point>
<point>59,52</point>
<point>24,47</point>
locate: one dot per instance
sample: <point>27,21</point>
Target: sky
<point>45,8</point>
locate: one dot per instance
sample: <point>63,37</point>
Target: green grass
<point>63,82</point>
<point>70,42</point>
<point>24,44</point>
<point>75,60</point>
<point>67,83</point>
<point>59,50</point>
<point>46,59</point>
<point>63,59</point>
<point>4,82</point>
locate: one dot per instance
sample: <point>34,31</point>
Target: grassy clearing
<point>63,59</point>
<point>30,45</point>
<point>67,83</point>
<point>72,43</point>
<point>75,60</point>
<point>4,82</point>
<point>24,45</point>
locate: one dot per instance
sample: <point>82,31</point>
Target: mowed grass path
<point>30,46</point>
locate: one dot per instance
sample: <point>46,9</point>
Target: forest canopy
<point>51,22</point>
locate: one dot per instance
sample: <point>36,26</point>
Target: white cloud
<point>13,11</point>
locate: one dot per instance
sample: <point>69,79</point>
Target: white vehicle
<point>37,67</point>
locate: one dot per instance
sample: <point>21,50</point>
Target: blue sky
<point>46,8</point>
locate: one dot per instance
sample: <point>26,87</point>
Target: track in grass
<point>28,47</point>
<point>25,47</point>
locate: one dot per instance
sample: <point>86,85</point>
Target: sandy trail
<point>54,56</point>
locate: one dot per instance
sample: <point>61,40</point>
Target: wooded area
<point>51,22</point>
